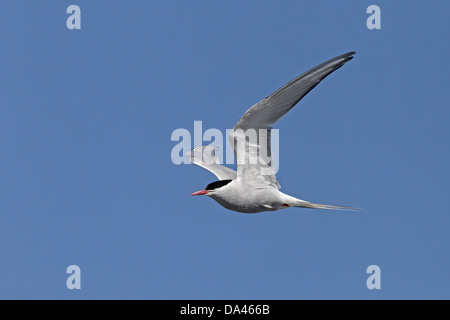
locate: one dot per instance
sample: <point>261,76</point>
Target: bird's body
<point>253,187</point>
<point>234,196</point>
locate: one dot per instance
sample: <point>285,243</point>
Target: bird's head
<point>212,188</point>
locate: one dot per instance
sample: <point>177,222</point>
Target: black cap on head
<point>217,184</point>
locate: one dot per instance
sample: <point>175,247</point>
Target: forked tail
<point>295,202</point>
<point>306,204</point>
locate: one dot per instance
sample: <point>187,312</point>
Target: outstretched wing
<point>205,157</point>
<point>255,163</point>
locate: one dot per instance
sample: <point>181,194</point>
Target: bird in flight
<point>253,187</point>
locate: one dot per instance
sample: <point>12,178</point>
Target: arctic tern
<point>253,187</point>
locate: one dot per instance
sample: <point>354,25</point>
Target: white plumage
<point>254,187</point>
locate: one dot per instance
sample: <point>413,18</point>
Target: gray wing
<point>265,114</point>
<point>205,157</point>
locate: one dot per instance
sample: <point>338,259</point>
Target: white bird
<point>254,187</point>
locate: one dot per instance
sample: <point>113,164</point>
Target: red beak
<point>199,193</point>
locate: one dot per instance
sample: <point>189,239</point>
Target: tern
<point>254,187</point>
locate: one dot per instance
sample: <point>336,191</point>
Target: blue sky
<point>86,176</point>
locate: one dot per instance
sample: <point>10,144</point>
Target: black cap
<point>217,184</point>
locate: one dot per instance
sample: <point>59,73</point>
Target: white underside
<point>239,196</point>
